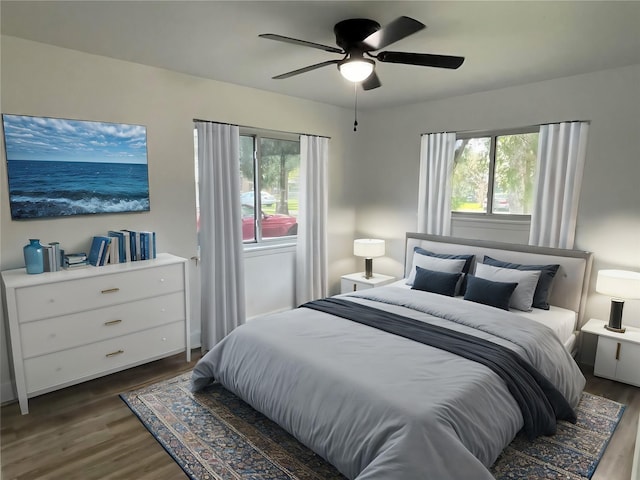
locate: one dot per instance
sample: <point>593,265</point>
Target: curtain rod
<point>261,129</point>
<point>468,132</point>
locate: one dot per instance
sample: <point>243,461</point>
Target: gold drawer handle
<point>110,290</point>
<point>113,354</point>
<point>113,322</point>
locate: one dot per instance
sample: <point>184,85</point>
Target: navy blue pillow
<point>495,294</point>
<point>465,269</point>
<point>441,283</point>
<point>543,289</point>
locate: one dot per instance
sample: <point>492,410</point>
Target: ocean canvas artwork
<point>59,167</point>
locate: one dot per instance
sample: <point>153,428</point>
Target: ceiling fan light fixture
<point>356,69</point>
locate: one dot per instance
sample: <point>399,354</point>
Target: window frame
<point>259,242</point>
<point>493,135</point>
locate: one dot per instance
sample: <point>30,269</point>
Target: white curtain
<point>434,193</point>
<point>221,263</point>
<point>311,249</point>
<point>561,157</point>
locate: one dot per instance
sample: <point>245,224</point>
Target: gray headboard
<point>570,284</point>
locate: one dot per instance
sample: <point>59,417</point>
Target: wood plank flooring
<point>86,432</point>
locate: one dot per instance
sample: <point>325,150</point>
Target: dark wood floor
<point>86,432</point>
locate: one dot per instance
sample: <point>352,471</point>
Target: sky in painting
<point>54,139</point>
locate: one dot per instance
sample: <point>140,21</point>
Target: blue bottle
<point>33,257</point>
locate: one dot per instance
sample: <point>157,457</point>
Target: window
<point>494,173</point>
<point>269,164</point>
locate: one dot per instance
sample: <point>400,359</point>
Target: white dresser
<point>70,326</point>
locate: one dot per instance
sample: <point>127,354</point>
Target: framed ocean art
<point>58,167</point>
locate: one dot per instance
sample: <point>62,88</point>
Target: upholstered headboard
<point>570,284</point>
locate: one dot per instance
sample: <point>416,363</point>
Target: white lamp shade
<point>368,247</point>
<point>356,70</point>
<point>619,283</point>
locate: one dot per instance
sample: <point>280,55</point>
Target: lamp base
<point>368,268</point>
<point>615,316</point>
<point>617,330</point>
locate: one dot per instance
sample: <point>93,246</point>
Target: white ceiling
<point>505,43</point>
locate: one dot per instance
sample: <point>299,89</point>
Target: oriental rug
<point>214,435</point>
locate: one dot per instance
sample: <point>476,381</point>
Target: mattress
<point>560,320</point>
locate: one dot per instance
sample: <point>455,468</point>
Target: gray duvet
<point>379,406</point>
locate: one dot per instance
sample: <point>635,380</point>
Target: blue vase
<point>33,257</point>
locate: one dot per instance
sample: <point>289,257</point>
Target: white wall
<point>38,79</point>
<point>609,215</point>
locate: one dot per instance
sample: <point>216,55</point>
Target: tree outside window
<point>495,173</point>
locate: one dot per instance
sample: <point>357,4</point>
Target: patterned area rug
<point>214,435</point>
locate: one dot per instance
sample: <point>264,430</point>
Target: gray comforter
<point>379,406</point>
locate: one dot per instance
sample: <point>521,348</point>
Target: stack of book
<point>52,257</point>
<point>75,260</point>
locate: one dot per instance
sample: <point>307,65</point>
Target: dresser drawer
<point>80,363</point>
<point>59,333</point>
<point>70,296</point>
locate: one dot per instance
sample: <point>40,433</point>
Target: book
<point>119,245</point>
<point>148,245</point>
<point>105,251</point>
<point>126,240</point>
<point>56,261</point>
<point>48,258</point>
<point>97,250</point>
<point>134,242</point>
<point>73,266</point>
<point>71,258</point>
<point>114,250</point>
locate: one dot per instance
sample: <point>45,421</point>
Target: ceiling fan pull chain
<point>355,113</point>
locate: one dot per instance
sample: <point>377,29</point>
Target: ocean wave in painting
<point>50,189</point>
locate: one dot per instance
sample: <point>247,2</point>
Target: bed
<point>380,405</point>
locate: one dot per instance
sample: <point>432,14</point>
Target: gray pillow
<point>433,263</point>
<point>462,283</point>
<point>522,296</point>
<point>543,290</point>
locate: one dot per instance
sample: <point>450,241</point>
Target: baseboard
<point>7,393</point>
<point>635,470</point>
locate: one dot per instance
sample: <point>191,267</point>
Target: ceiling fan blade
<point>421,59</point>
<point>304,43</point>
<point>398,29</point>
<point>305,69</point>
<point>371,82</point>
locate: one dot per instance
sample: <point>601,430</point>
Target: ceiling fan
<point>358,37</point>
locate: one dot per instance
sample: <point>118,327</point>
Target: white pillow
<point>436,264</point>
<point>527,280</point>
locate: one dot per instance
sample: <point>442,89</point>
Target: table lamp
<point>620,285</point>
<point>368,248</point>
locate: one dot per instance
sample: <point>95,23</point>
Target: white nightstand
<point>618,354</point>
<point>356,281</point>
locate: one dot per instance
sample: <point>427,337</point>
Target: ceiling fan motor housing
<point>350,33</point>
